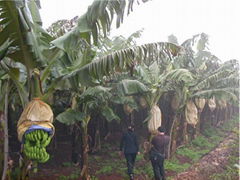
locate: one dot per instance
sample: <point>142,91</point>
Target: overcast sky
<point>161,18</point>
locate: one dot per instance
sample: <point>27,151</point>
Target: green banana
<point>28,136</point>
<point>45,159</point>
<point>35,145</point>
<point>39,135</point>
<point>47,142</point>
<point>45,136</point>
<point>42,134</point>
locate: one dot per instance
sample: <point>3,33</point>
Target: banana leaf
<point>70,117</point>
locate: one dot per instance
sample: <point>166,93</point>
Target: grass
<point>192,153</point>
<point>97,158</point>
<point>175,165</point>
<point>202,142</point>
<point>231,124</point>
<point>148,170</point>
<point>72,176</point>
<point>117,164</point>
<point>105,170</point>
<point>94,178</point>
<point>67,164</point>
<point>145,170</point>
<point>139,157</point>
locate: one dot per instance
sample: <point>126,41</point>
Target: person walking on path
<point>130,147</point>
<point>160,144</point>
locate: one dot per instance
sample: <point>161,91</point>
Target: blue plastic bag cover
<point>37,127</point>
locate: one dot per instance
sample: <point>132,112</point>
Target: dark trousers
<point>130,157</point>
<point>158,166</point>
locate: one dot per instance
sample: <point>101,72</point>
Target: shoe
<point>131,177</point>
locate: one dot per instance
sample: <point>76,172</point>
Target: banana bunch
<point>35,145</point>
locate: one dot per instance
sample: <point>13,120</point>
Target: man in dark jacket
<point>129,146</point>
<point>160,144</point>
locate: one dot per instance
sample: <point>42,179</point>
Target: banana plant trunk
<point>97,138</point>
<point>226,112</point>
<point>229,112</point>
<point>174,135</point>
<point>197,128</point>
<point>85,173</point>
<point>185,134</point>
<point>25,166</point>
<point>5,130</point>
<point>74,138</point>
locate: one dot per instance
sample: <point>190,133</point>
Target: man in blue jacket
<point>129,146</point>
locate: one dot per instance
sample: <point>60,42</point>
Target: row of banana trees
<point>25,45</point>
<point>100,75</point>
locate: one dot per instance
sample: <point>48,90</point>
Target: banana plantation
<point>69,92</point>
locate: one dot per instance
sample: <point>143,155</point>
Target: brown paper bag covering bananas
<point>156,119</point>
<point>222,103</point>
<point>36,112</point>
<point>212,104</point>
<point>200,103</point>
<point>191,113</point>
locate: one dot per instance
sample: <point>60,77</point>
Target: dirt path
<point>214,162</point>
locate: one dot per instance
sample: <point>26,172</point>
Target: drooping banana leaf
<point>70,117</point>
<point>178,76</point>
<point>121,59</point>
<point>99,93</point>
<point>15,75</point>
<point>20,22</point>
<point>108,113</point>
<point>98,17</point>
<point>227,69</point>
<point>225,93</point>
<point>131,87</point>
<point>4,48</point>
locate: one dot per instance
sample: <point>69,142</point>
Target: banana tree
<point>22,25</point>
<point>21,22</point>
<point>91,100</point>
<point>206,67</point>
<point>6,85</point>
<point>94,100</point>
<point>160,80</point>
<point>207,79</point>
<point>221,84</point>
<point>186,91</point>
